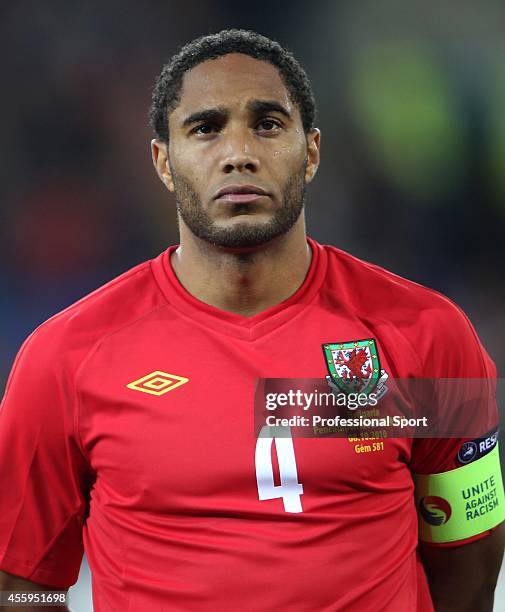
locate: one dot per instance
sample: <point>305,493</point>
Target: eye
<point>268,125</point>
<point>203,129</point>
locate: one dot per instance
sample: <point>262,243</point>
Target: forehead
<point>231,80</point>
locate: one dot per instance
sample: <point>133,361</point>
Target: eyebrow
<point>259,107</point>
<point>209,114</point>
<point>256,107</point>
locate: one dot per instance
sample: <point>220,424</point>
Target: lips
<point>240,193</point>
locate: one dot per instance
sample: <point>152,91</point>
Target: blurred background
<point>411,98</point>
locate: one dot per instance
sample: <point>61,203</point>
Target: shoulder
<point>76,329</point>
<point>440,331</point>
<point>364,282</point>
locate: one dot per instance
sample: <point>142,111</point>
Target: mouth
<point>240,193</point>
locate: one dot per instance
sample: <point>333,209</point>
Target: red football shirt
<point>127,427</point>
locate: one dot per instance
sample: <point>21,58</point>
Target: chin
<point>246,236</point>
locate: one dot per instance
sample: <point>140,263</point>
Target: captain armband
<point>461,503</point>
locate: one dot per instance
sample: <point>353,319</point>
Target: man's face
<point>237,130</point>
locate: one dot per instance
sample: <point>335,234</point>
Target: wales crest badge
<point>354,367</point>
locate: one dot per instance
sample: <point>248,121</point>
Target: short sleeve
<point>464,379</point>
<point>44,477</point>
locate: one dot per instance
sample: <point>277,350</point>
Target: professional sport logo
<point>354,367</point>
<point>435,510</point>
<point>157,383</point>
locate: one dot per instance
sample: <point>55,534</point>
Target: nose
<point>238,154</point>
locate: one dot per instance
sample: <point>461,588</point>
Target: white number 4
<point>289,489</point>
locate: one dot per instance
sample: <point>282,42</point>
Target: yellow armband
<point>461,503</point>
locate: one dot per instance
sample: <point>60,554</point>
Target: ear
<point>159,151</point>
<point>313,156</point>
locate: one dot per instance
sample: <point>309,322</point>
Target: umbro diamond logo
<point>157,383</point>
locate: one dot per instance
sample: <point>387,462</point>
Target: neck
<point>243,281</point>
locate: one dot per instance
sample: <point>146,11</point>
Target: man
<point>128,417</point>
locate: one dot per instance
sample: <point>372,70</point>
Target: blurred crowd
<point>411,101</point>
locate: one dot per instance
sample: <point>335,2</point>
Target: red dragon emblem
<point>354,362</point>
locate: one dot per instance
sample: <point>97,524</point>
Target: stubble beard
<point>190,208</point>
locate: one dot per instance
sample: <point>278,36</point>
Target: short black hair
<point>167,89</point>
